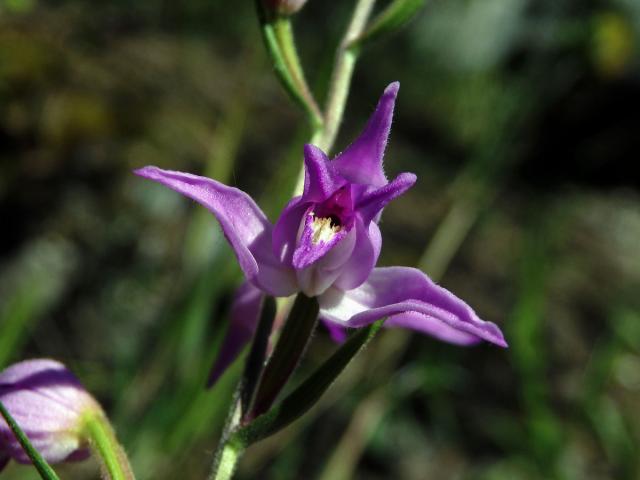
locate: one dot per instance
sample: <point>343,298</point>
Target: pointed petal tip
<point>147,171</point>
<point>495,336</point>
<point>407,178</point>
<point>392,89</point>
<point>311,149</point>
<point>313,153</point>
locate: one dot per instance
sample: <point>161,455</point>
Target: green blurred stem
<point>278,38</point>
<point>284,36</point>
<point>106,447</point>
<point>391,19</point>
<point>228,454</point>
<point>342,74</point>
<point>45,471</point>
<point>453,229</point>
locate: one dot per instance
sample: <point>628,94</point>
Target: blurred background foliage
<point>522,120</point>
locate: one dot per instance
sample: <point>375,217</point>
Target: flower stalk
<point>396,14</point>
<point>103,442</point>
<point>342,74</point>
<point>228,461</point>
<point>278,39</point>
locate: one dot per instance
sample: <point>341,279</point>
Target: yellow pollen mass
<point>324,229</point>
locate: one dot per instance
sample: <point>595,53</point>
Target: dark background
<point>521,119</point>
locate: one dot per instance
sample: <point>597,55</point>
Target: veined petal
<point>409,299</point>
<point>320,176</point>
<point>361,162</point>
<point>244,225</point>
<point>243,321</point>
<point>373,202</point>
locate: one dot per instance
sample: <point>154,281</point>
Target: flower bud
<point>50,405</point>
<point>284,7</point>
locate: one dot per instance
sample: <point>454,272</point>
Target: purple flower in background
<point>283,7</point>
<point>49,404</point>
<point>326,244</point>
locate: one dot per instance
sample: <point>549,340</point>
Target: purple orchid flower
<point>326,244</point>
<point>49,404</point>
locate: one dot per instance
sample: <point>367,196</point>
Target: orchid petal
<point>244,225</point>
<point>285,232</point>
<point>320,275</point>
<point>409,299</point>
<point>364,257</point>
<point>321,178</point>
<point>243,321</point>
<point>4,459</point>
<point>373,202</point>
<point>312,245</point>
<point>361,162</point>
<point>338,334</point>
<point>48,402</point>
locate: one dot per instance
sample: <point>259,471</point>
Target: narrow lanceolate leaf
<point>257,354</point>
<point>307,394</point>
<point>391,19</point>
<point>286,356</point>
<point>45,470</point>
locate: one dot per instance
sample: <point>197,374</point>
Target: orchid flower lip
<point>324,228</point>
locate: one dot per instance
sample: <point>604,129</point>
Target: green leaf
<point>308,393</point>
<point>257,354</point>
<point>391,19</point>
<point>293,341</point>
<point>40,463</point>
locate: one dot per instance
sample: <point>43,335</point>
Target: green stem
<point>278,38</point>
<point>284,35</point>
<point>228,453</point>
<point>229,457</point>
<point>342,74</point>
<point>106,447</point>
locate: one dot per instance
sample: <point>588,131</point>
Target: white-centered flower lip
<point>324,228</point>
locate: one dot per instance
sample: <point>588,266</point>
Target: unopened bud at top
<point>283,7</point>
<point>50,405</point>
